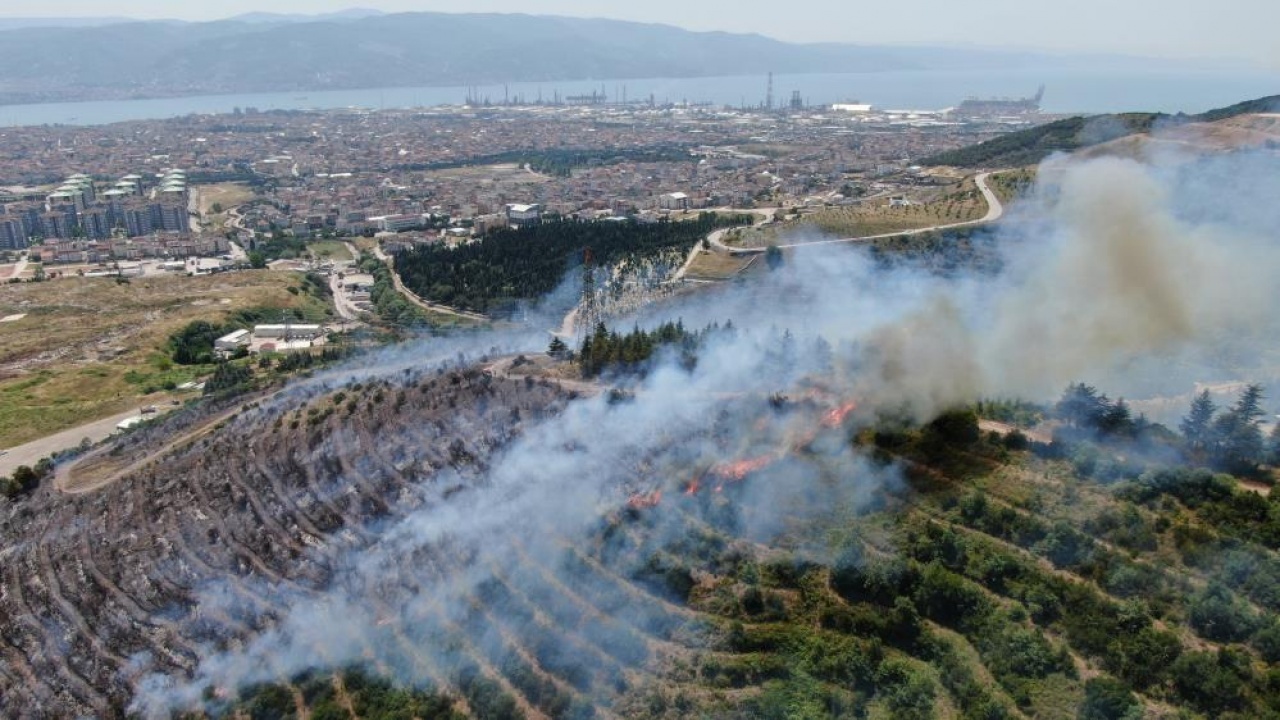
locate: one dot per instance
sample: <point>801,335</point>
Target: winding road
<point>995,210</point>
<point>415,299</point>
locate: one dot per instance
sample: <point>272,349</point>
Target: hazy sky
<point>1173,28</point>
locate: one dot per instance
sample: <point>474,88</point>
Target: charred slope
<point>91,585</point>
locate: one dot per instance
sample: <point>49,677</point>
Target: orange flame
<point>836,416</point>
<point>644,501</point>
<point>736,471</point>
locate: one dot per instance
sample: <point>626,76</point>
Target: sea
<point>1096,90</point>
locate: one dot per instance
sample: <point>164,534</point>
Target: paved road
<point>16,270</point>
<point>97,431</point>
<point>995,210</point>
<point>346,309</point>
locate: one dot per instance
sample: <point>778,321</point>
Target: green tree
<point>1209,685</point>
<point>257,260</point>
<point>1197,426</point>
<point>1116,419</point>
<point>1216,615</point>
<point>1239,446</point>
<point>1109,699</point>
<point>1082,406</point>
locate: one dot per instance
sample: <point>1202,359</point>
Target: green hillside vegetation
<point>1248,107</point>
<point>506,266</point>
<point>1028,147</point>
<point>561,162</point>
<point>1002,579</point>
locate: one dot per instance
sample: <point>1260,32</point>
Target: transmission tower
<point>768,97</point>
<point>589,308</point>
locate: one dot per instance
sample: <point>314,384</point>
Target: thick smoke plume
<point>1129,276</point>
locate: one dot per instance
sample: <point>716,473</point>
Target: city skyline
<point>1233,29</point>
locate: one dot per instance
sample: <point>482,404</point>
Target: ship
<point>991,107</point>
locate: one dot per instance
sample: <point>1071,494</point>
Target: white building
<point>232,342</point>
<point>674,201</point>
<point>286,332</point>
<point>524,214</point>
<point>852,108</point>
<point>398,223</point>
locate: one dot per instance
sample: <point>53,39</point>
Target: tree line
<point>609,349</point>
<point>493,273</point>
<point>1227,439</point>
<point>561,162</point>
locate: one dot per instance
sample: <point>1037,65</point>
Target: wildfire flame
<point>737,471</point>
<point>644,501</point>
<point>834,417</point>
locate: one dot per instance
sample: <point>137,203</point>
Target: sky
<point>1230,29</point>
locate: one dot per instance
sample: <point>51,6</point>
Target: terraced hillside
<point>93,582</point>
<point>994,582</point>
<point>355,553</point>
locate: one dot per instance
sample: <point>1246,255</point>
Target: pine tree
<point>1239,439</point>
<point>1197,426</point>
<point>1082,406</point>
<point>1116,419</point>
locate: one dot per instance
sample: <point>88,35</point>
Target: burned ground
<point>93,582</point>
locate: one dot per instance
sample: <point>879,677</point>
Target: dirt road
<point>97,431</point>
<point>1003,429</point>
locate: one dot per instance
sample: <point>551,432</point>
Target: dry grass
<point>717,266</point>
<point>90,348</point>
<point>335,250</point>
<point>1012,184</point>
<point>958,203</point>
<point>228,196</point>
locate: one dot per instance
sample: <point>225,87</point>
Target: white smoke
<point>1109,271</point>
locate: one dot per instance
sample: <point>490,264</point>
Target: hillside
<point>85,590</point>
<point>267,53</point>
<point>737,565</point>
<point>1030,146</point>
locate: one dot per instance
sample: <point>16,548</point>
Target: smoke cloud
<point>1135,277</point>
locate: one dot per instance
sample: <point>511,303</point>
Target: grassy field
<point>228,195</point>
<point>958,203</point>
<point>90,348</point>
<point>1012,184</point>
<point>334,250</point>
<point>715,266</point>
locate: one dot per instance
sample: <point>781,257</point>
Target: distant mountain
<point>1030,146</point>
<point>261,53</point>
<point>19,23</point>
<point>268,17</point>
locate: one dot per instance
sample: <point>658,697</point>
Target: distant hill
<point>18,23</point>
<point>1030,146</point>
<point>270,17</point>
<point>264,52</point>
